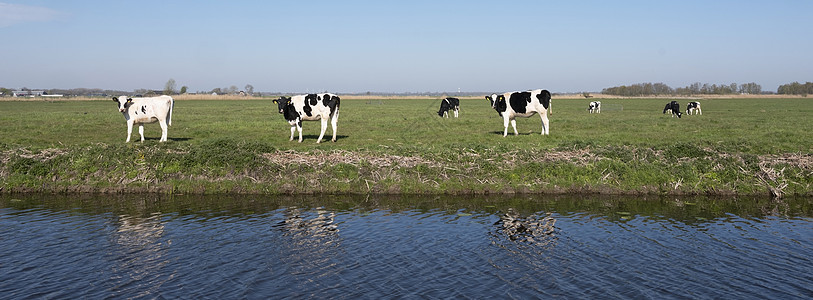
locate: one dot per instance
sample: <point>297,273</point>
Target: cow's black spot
<point>453,102</point>
<point>144,109</point>
<point>307,109</point>
<point>333,103</point>
<point>519,101</point>
<point>544,98</point>
<point>289,112</point>
<point>312,99</point>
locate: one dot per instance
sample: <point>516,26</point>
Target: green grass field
<point>738,146</point>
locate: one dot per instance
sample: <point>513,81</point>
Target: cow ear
<point>129,99</point>
<point>115,99</point>
<point>275,101</point>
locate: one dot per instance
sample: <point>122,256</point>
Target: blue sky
<point>402,46</point>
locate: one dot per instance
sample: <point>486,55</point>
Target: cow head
<point>124,102</point>
<point>282,102</point>
<point>495,100</point>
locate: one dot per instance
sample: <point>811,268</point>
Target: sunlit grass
<point>218,144</point>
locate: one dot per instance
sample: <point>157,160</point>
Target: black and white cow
<point>693,106</point>
<point>448,104</point>
<point>521,104</point>
<point>146,110</point>
<point>310,107</point>
<point>673,108</point>
<point>594,107</point>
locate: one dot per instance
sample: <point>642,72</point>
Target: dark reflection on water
<point>149,246</point>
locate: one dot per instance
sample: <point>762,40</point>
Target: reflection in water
<point>309,245</point>
<point>535,229</point>
<point>140,254</point>
<point>443,247</point>
<point>298,225</point>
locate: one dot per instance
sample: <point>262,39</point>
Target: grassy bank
<point>739,146</point>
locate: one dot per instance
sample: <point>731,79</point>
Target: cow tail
<point>171,108</point>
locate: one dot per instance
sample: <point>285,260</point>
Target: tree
<point>231,90</point>
<point>250,89</point>
<point>183,89</point>
<point>169,88</point>
<point>750,88</point>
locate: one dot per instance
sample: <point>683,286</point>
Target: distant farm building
<point>27,93</point>
<point>33,94</point>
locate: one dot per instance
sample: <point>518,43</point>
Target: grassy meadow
<point>737,147</point>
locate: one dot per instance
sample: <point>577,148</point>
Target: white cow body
<point>594,107</point>
<point>693,107</point>
<point>522,104</point>
<point>144,111</point>
<point>310,107</point>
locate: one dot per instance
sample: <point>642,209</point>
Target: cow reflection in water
<point>322,225</point>
<point>140,251</point>
<point>535,229</point>
<point>309,243</point>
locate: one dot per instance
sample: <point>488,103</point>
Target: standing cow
<point>310,107</point>
<point>693,106</point>
<point>673,108</point>
<point>448,104</point>
<point>146,110</point>
<point>594,107</point>
<point>521,104</point>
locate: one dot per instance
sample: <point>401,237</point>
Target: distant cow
<point>693,106</point>
<point>521,104</point>
<point>310,107</point>
<point>594,107</point>
<point>673,108</point>
<point>146,110</point>
<point>448,104</point>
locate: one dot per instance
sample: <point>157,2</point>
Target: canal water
<point>434,247</point>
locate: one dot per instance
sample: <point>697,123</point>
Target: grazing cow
<point>693,106</point>
<point>594,107</point>
<point>310,107</point>
<point>521,104</point>
<point>447,104</point>
<point>146,110</point>
<point>673,108</point>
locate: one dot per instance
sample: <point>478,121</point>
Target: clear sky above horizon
<point>402,46</point>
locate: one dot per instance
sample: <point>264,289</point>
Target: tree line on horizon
<point>697,88</point>
<point>796,88</point>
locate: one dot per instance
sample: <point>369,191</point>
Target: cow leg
<point>545,124</point>
<point>334,122</point>
<point>129,131</point>
<point>505,124</point>
<point>299,128</point>
<point>699,111</point>
<point>323,129</point>
<point>514,124</point>
<point>293,129</point>
<point>455,113</point>
<point>163,125</point>
<point>141,131</point>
